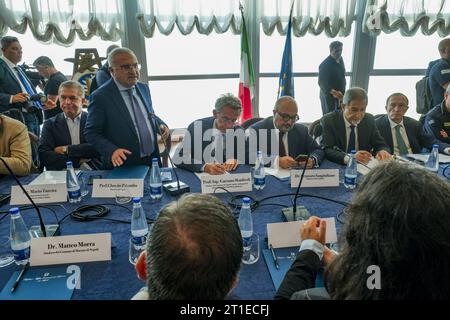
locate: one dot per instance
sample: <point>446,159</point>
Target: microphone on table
<point>179,187</point>
<point>36,231</point>
<point>290,214</point>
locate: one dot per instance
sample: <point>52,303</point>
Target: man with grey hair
<point>211,144</point>
<point>437,120</point>
<point>199,236</point>
<point>292,144</point>
<point>353,129</point>
<point>63,137</point>
<point>47,70</point>
<point>121,123</point>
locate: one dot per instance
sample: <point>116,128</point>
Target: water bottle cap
<point>136,200</point>
<point>353,152</point>
<point>259,153</point>
<point>435,146</point>
<point>246,200</point>
<point>14,210</point>
<point>155,160</point>
<point>69,163</point>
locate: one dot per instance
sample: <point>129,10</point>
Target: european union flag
<point>286,82</point>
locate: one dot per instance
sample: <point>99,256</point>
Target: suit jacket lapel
<point>342,132</point>
<point>11,73</point>
<point>388,132</point>
<point>82,124</point>
<point>61,127</point>
<point>121,107</point>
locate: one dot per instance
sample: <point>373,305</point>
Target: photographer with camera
<point>47,70</point>
<point>16,89</point>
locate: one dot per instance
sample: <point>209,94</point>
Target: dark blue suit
<point>109,125</point>
<point>204,125</point>
<point>299,141</point>
<point>417,137</point>
<point>9,86</point>
<point>55,133</point>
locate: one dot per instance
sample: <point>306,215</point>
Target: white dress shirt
<point>74,129</point>
<point>402,133</point>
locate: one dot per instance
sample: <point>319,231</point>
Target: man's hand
<point>49,104</point>
<point>443,134</point>
<point>119,156</point>
<point>60,149</point>
<point>165,132</point>
<point>363,156</point>
<point>310,164</point>
<point>286,162</point>
<point>19,98</point>
<point>383,155</point>
<point>337,94</point>
<point>314,228</point>
<point>328,256</point>
<point>231,165</point>
<point>214,169</point>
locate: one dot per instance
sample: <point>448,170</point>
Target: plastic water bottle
<point>20,238</point>
<point>73,188</point>
<point>351,172</point>
<point>155,181</point>
<point>139,226</point>
<point>432,163</point>
<point>259,174</point>
<point>245,222</point>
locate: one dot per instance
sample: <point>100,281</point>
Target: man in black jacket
<point>403,134</point>
<point>352,129</point>
<point>62,136</point>
<point>332,79</point>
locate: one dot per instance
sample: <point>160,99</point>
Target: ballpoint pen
<point>16,283</point>
<point>275,259</point>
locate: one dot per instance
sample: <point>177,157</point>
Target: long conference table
<point>116,279</point>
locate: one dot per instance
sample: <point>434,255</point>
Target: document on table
<point>424,157</point>
<point>365,168</point>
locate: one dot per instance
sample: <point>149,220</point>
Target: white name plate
<point>70,249</point>
<point>231,182</point>
<point>111,188</point>
<point>40,193</point>
<point>316,178</point>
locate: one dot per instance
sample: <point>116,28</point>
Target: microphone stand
<point>180,189</point>
<point>41,222</point>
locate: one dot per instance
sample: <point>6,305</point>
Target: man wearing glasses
<point>352,129</point>
<point>121,124</point>
<point>403,134</point>
<point>284,141</point>
<point>214,144</point>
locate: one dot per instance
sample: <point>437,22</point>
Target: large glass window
<point>193,54</point>
<point>382,87</point>
<point>307,52</point>
<point>180,102</point>
<point>33,49</point>
<point>397,52</point>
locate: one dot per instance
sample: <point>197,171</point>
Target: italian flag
<point>247,76</point>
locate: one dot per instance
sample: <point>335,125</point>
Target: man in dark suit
<point>62,136</point>
<point>403,134</point>
<point>284,141</point>
<point>352,129</point>
<point>16,88</point>
<point>214,144</point>
<point>121,124</point>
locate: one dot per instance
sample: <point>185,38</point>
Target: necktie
<point>282,149</point>
<point>351,140</point>
<point>400,142</point>
<point>28,87</point>
<point>145,137</point>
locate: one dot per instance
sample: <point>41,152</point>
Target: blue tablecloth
<point>116,279</point>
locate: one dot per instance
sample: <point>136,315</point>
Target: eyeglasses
<point>287,117</point>
<point>129,67</point>
<point>228,120</point>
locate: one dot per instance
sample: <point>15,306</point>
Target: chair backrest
<point>314,128</point>
<point>378,116</point>
<point>15,114</point>
<point>248,123</point>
